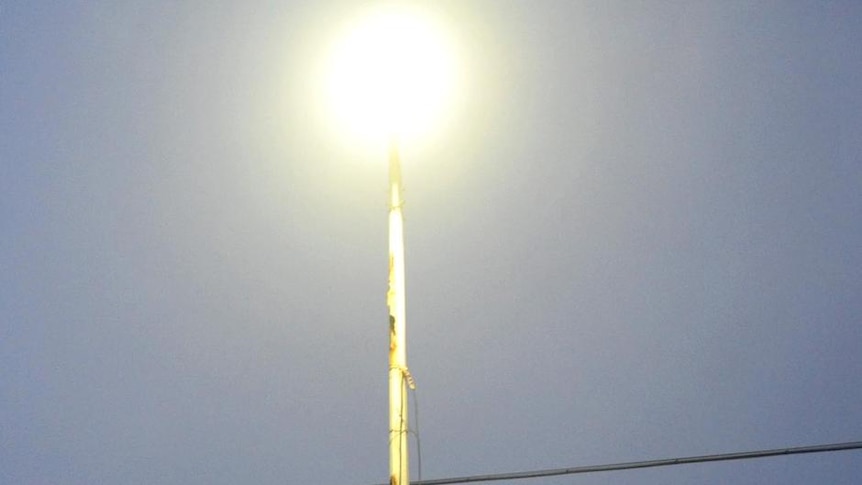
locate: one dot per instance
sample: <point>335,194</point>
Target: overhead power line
<point>855,445</point>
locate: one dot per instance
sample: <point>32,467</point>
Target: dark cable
<point>416,432</point>
<point>401,430</point>
<point>855,445</point>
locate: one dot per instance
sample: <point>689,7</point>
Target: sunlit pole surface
<point>399,376</point>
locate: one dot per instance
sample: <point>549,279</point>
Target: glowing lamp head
<point>392,74</point>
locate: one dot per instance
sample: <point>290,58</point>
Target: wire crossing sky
<point>688,460</point>
<point>634,232</point>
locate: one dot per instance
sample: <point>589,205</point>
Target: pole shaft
<point>395,300</point>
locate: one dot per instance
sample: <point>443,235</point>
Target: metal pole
<point>398,374</point>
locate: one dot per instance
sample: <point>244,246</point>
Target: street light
<point>391,77</point>
<point>392,73</point>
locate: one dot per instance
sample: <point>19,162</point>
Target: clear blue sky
<point>642,238</point>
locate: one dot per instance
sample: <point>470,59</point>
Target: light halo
<point>392,74</point>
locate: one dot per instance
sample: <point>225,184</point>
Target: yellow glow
<point>392,73</point>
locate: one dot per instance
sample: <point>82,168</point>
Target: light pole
<point>399,375</point>
<point>391,75</point>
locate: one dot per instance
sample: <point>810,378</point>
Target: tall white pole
<point>399,376</point>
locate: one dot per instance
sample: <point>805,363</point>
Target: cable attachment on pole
<point>411,383</point>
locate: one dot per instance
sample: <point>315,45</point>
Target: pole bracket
<point>411,383</point>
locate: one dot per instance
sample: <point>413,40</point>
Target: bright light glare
<point>393,73</point>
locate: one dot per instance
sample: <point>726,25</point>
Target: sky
<point>637,236</point>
